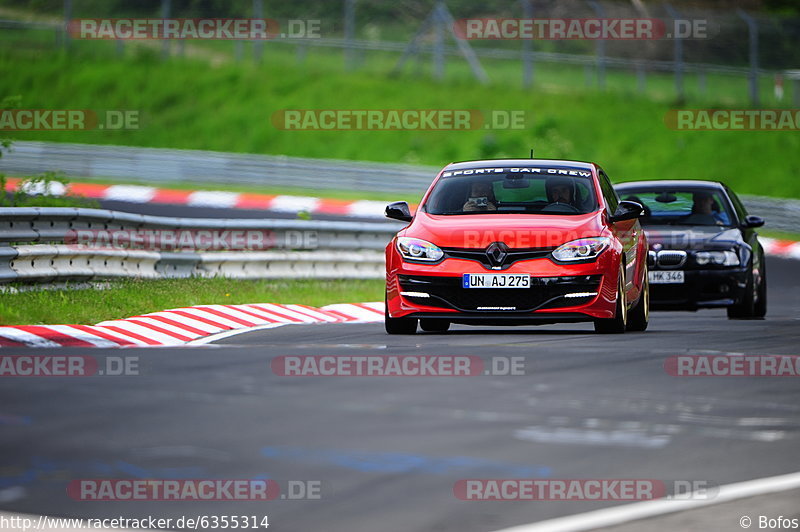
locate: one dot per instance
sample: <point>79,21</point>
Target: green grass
<point>132,297</point>
<point>185,103</point>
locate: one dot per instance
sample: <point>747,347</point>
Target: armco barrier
<point>48,224</point>
<point>36,251</point>
<point>155,166</point>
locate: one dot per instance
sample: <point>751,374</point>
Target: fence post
<point>600,46</point>
<point>678,54</point>
<point>166,8</point>
<point>258,45</point>
<point>438,42</point>
<point>752,35</point>
<point>67,19</point>
<point>349,33</point>
<point>527,47</point>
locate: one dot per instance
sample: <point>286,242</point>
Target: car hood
<point>692,237</point>
<point>516,230</point>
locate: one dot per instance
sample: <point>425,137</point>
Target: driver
<point>481,198</point>
<point>560,190</point>
<point>704,210</point>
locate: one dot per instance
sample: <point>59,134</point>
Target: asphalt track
<point>388,450</point>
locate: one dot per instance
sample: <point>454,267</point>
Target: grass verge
<point>131,297</point>
<point>230,107</point>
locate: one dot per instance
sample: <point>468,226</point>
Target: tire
<point>399,325</point>
<point>617,324</point>
<point>434,325</point>
<point>639,316</point>
<point>746,309</point>
<point>760,308</point>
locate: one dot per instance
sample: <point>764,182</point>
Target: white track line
<point>642,510</point>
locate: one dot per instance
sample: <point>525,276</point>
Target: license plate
<point>496,280</point>
<point>662,277</point>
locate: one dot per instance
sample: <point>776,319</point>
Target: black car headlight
<point>418,249</point>
<point>716,258</point>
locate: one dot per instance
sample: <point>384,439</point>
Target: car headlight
<point>417,249</point>
<point>581,249</point>
<point>718,258</point>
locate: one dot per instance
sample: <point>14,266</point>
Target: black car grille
<point>667,258</point>
<point>512,256</point>
<point>544,292</point>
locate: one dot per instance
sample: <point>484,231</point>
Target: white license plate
<point>496,280</point>
<point>663,277</point>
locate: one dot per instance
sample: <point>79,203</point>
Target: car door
<point>627,232</point>
<point>749,234</point>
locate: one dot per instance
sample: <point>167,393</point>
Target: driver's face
<point>561,194</point>
<point>481,189</point>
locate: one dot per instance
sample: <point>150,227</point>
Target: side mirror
<point>753,221</point>
<point>398,211</point>
<point>627,210</point>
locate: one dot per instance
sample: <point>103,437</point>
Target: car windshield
<point>690,206</point>
<point>514,192</point>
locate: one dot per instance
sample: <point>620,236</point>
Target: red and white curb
<point>215,199</point>
<point>786,249</point>
<point>184,325</point>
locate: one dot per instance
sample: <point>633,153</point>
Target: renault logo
<point>497,253</point>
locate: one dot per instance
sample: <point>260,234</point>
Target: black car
<point>704,250</point>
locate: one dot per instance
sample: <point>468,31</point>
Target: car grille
<point>512,256</point>
<point>667,258</point>
<point>544,292</point>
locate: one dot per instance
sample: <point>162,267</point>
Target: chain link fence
<point>742,53</point>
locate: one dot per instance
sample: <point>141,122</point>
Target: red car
<point>515,242</point>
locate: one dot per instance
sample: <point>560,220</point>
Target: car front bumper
<point>700,289</point>
<point>551,298</point>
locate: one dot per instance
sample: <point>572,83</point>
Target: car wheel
<point>639,316</point>
<point>617,324</point>
<point>398,325</point>
<point>433,325</point>
<point>746,308</point>
<point>761,301</point>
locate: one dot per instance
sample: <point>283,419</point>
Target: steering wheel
<point>557,205</point>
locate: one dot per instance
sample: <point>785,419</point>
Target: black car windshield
<point>514,192</point>
<point>689,206</point>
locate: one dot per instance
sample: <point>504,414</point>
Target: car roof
<point>667,183</point>
<point>553,163</point>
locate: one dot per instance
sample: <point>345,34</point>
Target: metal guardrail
<point>782,214</point>
<point>52,225</point>
<point>34,245</point>
<point>38,247</point>
<point>157,165</point>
